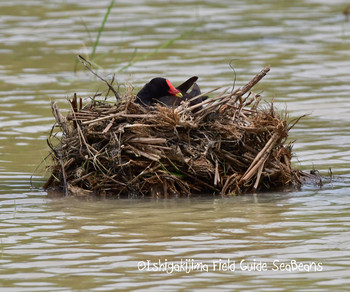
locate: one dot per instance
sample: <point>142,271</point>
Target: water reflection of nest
<point>229,146</point>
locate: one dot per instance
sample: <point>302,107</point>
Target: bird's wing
<point>195,91</point>
<point>187,84</point>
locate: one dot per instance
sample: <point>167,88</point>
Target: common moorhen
<point>158,89</point>
<point>155,89</point>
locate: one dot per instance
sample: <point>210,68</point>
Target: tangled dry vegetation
<point>230,146</point>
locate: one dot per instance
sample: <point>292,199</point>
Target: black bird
<point>155,89</point>
<point>158,90</point>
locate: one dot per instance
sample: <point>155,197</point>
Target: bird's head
<point>162,87</point>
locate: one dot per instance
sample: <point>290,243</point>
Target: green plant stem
<point>162,46</point>
<point>101,29</point>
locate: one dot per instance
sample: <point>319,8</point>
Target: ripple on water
<point>47,244</point>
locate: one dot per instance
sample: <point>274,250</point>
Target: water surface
<point>65,244</point>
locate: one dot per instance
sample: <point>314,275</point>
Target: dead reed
<point>231,145</point>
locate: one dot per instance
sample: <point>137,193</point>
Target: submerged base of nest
<point>228,146</point>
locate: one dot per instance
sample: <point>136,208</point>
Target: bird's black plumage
<point>158,89</point>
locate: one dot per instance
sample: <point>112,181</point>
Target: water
<point>65,244</point>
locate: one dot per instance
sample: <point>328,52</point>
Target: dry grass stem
<point>231,145</point>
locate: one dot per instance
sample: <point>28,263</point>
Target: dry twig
<point>228,146</point>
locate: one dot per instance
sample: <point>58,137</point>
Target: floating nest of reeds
<point>229,145</point>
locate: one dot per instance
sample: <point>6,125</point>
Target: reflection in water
<point>51,244</point>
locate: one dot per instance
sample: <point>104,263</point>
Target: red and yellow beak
<point>173,90</point>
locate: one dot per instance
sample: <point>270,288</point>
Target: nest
<point>225,145</point>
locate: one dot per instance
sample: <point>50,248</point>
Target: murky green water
<point>64,244</point>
